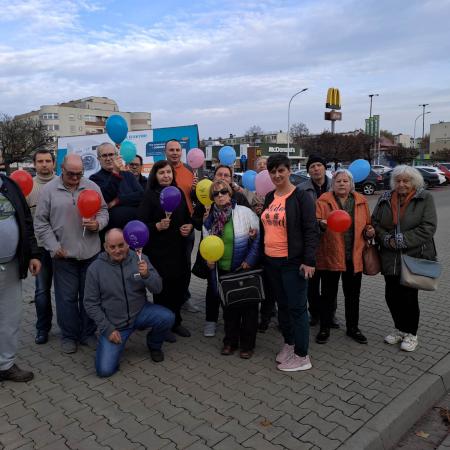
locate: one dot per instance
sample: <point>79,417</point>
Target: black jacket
<point>27,248</point>
<point>126,188</point>
<point>302,229</point>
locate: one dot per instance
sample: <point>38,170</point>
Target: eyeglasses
<point>108,155</point>
<point>73,174</point>
<point>134,165</point>
<point>222,192</point>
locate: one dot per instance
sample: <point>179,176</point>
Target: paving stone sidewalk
<point>198,399</point>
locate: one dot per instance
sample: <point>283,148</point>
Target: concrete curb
<point>387,427</point>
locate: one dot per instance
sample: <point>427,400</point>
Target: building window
<point>90,118</point>
<point>52,127</point>
<point>72,128</point>
<point>71,116</point>
<point>49,116</point>
<point>80,128</point>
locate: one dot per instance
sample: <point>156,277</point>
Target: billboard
<point>149,144</point>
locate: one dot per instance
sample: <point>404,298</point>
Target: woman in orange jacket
<point>340,254</point>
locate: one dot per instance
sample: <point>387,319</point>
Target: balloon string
<point>139,253</point>
<point>196,173</point>
<point>168,214</point>
<point>84,231</point>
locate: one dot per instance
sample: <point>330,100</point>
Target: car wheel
<point>368,189</point>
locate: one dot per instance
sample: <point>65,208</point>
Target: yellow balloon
<point>212,248</point>
<point>202,191</point>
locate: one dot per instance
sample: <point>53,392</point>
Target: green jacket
<point>417,228</point>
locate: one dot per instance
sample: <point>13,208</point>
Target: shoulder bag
<point>242,287</point>
<point>371,259</point>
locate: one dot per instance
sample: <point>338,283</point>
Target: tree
<point>21,137</point>
<point>401,155</point>
<point>387,134</point>
<point>441,155</point>
<point>254,130</point>
<point>298,132</point>
<point>339,147</point>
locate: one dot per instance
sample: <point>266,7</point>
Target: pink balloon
<point>195,158</point>
<point>263,183</point>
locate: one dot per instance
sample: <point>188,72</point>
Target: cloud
<point>231,66</point>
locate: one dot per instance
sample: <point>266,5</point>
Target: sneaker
<point>285,353</point>
<point>395,337</point>
<point>16,374</point>
<point>295,363</point>
<point>190,307</point>
<point>357,336</point>
<point>323,335</point>
<point>409,343</point>
<point>69,346</point>
<point>209,329</point>
<point>157,355</point>
<point>181,331</point>
<point>91,342</point>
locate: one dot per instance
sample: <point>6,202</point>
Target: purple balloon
<point>136,234</point>
<point>170,198</point>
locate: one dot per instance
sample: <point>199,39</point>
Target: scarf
<point>220,218</point>
<point>395,204</point>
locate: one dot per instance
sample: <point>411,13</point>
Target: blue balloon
<point>117,128</point>
<point>227,155</point>
<point>360,169</point>
<point>128,151</point>
<point>248,180</point>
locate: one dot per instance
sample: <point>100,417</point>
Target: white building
<point>85,116</point>
<point>403,139</point>
<point>439,136</point>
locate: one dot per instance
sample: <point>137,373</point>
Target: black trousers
<point>268,309</point>
<point>351,285</point>
<point>241,326</point>
<point>314,295</point>
<point>403,303</point>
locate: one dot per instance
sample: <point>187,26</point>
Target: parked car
<point>445,169</point>
<point>298,178</point>
<point>431,169</point>
<point>380,169</point>
<point>374,182</point>
<point>430,179</point>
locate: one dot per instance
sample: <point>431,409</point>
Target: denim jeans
<point>156,317</point>
<point>69,276</point>
<point>290,289</point>
<point>42,294</point>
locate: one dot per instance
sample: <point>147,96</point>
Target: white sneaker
<point>409,343</point>
<point>295,363</point>
<point>190,307</point>
<point>395,337</point>
<point>209,329</point>
<point>285,353</point>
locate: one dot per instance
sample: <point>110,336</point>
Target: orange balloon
<point>339,221</point>
<point>89,202</point>
<point>24,180</point>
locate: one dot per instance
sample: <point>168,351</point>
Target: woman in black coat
<point>166,248</point>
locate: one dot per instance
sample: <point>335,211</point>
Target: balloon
<point>263,183</point>
<point>128,151</point>
<point>360,170</point>
<point>202,192</point>
<point>24,180</point>
<point>136,234</point>
<point>339,221</point>
<point>248,180</point>
<point>89,202</point>
<point>170,198</point>
<point>195,158</point>
<point>212,248</point>
<point>117,128</point>
<point>227,155</point>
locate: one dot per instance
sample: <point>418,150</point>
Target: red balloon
<point>24,180</point>
<point>339,221</point>
<point>89,202</point>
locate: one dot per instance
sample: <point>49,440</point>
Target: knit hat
<point>314,159</point>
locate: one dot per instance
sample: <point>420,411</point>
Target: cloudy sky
<point>227,65</point>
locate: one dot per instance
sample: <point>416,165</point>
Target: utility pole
<point>422,149</point>
<point>371,99</point>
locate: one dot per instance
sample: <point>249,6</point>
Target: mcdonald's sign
<point>333,99</point>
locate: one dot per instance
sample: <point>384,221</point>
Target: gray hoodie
<point>114,293</point>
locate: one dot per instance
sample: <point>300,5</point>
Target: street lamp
<point>423,105</point>
<point>415,122</point>
<point>371,99</point>
<point>289,119</point>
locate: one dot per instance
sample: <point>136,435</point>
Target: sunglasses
<point>222,192</point>
<point>73,174</point>
<point>108,155</point>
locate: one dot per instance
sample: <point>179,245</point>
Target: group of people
<point>101,296</point>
